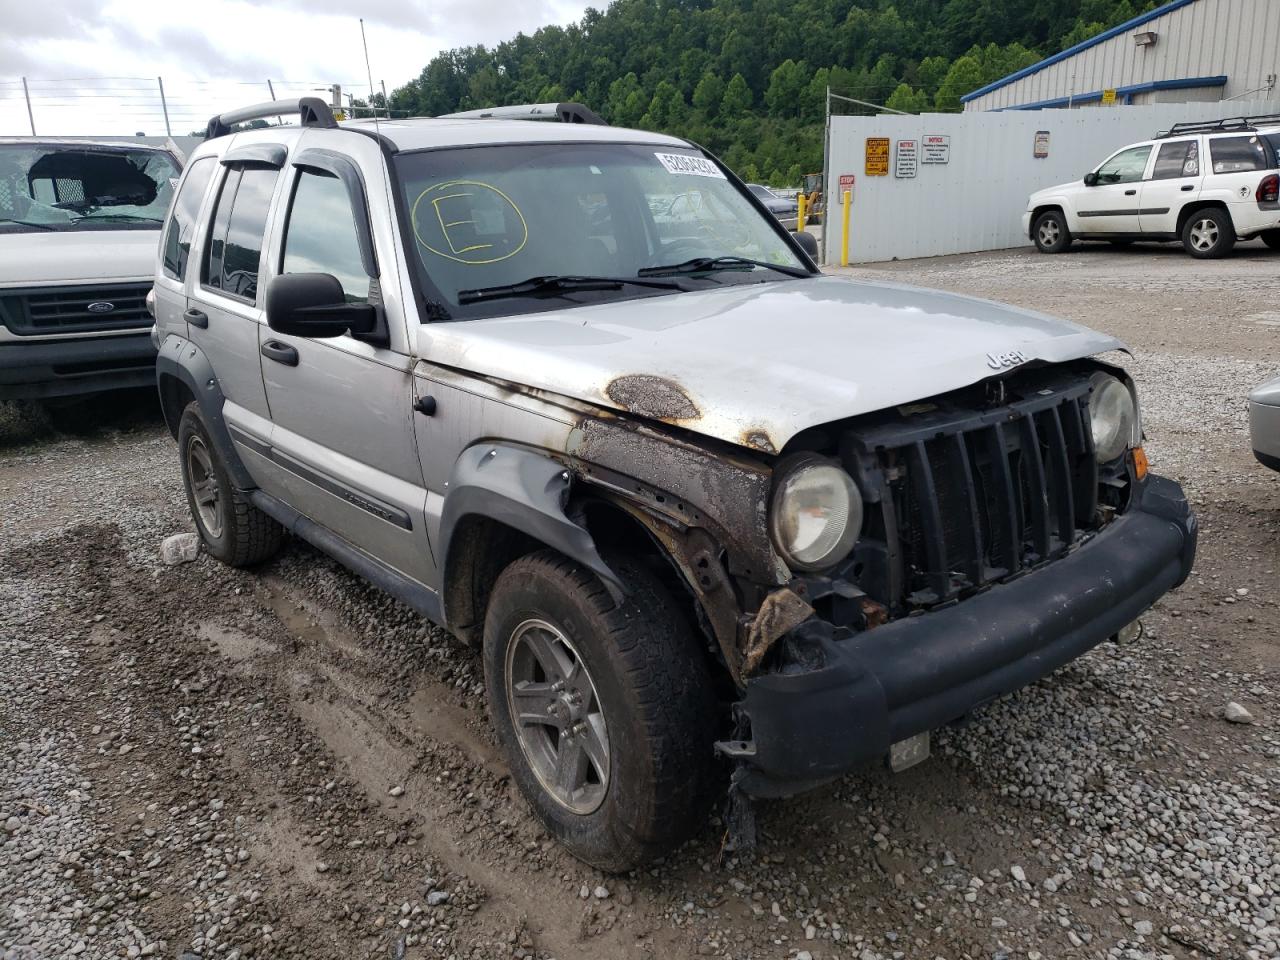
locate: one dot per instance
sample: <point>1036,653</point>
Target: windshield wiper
<point>553,285</point>
<point>116,216</point>
<point>707,264</point>
<point>27,223</point>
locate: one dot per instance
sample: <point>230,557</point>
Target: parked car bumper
<point>43,369</point>
<point>886,684</point>
<point>1264,423</point>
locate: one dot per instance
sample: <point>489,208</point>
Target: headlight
<point>1113,416</point>
<point>816,514</point>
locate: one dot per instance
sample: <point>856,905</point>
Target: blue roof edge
<point>1094,96</point>
<point>1115,31</point>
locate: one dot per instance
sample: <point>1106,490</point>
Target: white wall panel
<point>976,201</point>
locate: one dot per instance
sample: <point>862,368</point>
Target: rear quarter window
<point>1239,154</point>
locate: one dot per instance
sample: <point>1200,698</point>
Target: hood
<point>756,364</point>
<point>57,256</point>
<point>1055,191</point>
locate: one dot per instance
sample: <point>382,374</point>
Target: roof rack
<point>312,112</point>
<point>564,112</point>
<point>1226,125</point>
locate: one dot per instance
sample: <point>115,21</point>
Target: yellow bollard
<point>800,204</point>
<point>844,239</point>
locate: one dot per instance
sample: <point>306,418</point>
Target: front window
<point>68,187</point>
<point>482,218</point>
<point>1127,166</point>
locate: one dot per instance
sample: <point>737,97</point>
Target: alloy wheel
<point>205,489</point>
<point>1204,234</point>
<point>1049,232</point>
<point>557,716</point>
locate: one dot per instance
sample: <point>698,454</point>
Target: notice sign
<point>935,148</point>
<point>1109,96</point>
<point>907,156</point>
<point>1042,144</point>
<point>877,156</point>
<point>846,183</point>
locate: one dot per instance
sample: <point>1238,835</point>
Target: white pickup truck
<point>79,225</point>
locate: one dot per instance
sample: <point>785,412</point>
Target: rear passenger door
<point>343,437</point>
<point>1175,181</point>
<point>225,311</point>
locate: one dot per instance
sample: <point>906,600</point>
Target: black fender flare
<point>182,360</point>
<point>526,490</point>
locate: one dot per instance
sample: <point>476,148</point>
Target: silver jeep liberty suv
<point>571,392</point>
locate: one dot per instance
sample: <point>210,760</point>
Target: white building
<point>1186,50</point>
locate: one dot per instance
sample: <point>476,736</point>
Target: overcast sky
<point>217,54</point>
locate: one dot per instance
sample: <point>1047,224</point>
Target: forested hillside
<point>747,78</point>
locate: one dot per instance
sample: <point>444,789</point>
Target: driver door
<point>1110,204</point>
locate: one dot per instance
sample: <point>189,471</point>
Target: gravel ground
<point>201,762</point>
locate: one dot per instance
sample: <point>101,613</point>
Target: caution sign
<point>877,156</point>
<point>908,157</point>
<point>1109,95</point>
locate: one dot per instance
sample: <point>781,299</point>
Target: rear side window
<point>1181,158</point>
<point>235,240</point>
<point>1238,154</point>
<point>321,234</point>
<point>182,218</point>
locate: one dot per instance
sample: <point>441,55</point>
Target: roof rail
<point>312,112</point>
<point>564,112</point>
<point>1226,125</point>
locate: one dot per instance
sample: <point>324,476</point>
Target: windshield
<point>487,217</point>
<point>67,187</point>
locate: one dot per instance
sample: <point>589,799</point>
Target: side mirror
<point>1090,179</point>
<point>313,305</point>
<point>808,243</point>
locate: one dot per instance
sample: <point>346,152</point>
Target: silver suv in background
<point>571,392</point>
<point>79,224</point>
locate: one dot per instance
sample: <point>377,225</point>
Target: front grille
<point>967,498</point>
<point>66,309</point>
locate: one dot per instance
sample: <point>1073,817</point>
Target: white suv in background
<point>1207,184</point>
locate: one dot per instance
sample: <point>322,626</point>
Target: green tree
<point>964,76</point>
<point>737,98</point>
<point>708,94</point>
<point>907,100</point>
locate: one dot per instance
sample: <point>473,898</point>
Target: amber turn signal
<point>1140,462</point>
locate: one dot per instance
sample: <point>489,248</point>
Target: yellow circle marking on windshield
<point>472,235</point>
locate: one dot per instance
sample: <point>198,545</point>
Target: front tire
<point>233,529</point>
<point>606,711</point>
<point>1208,234</point>
<point>1271,238</point>
<point>1050,232</point>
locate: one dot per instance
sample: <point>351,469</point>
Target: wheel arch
<point>1190,209</point>
<point>1040,209</point>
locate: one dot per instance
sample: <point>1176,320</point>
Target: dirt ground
<point>202,762</point>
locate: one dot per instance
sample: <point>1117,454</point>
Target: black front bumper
<point>42,369</point>
<point>918,673</point>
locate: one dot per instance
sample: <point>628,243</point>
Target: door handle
<point>280,353</point>
<point>1188,188</point>
<point>197,318</point>
<point>1130,193</point>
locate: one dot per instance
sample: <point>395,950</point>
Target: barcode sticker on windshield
<point>689,166</point>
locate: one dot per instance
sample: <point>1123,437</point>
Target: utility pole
<point>270,89</point>
<point>30,116</point>
<point>335,96</point>
<point>164,105</point>
<point>386,104</point>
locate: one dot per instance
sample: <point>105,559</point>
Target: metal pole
<point>164,105</point>
<point>30,116</point>
<point>386,104</point>
<point>826,165</point>
<point>844,237</point>
<point>270,89</point>
<point>868,103</point>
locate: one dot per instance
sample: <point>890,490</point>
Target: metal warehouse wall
<point>975,201</point>
<point>1239,39</point>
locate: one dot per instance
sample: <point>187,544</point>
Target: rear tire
<point>1208,234</point>
<point>233,529</point>
<point>1271,238</point>
<point>1050,232</point>
<point>614,753</point>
